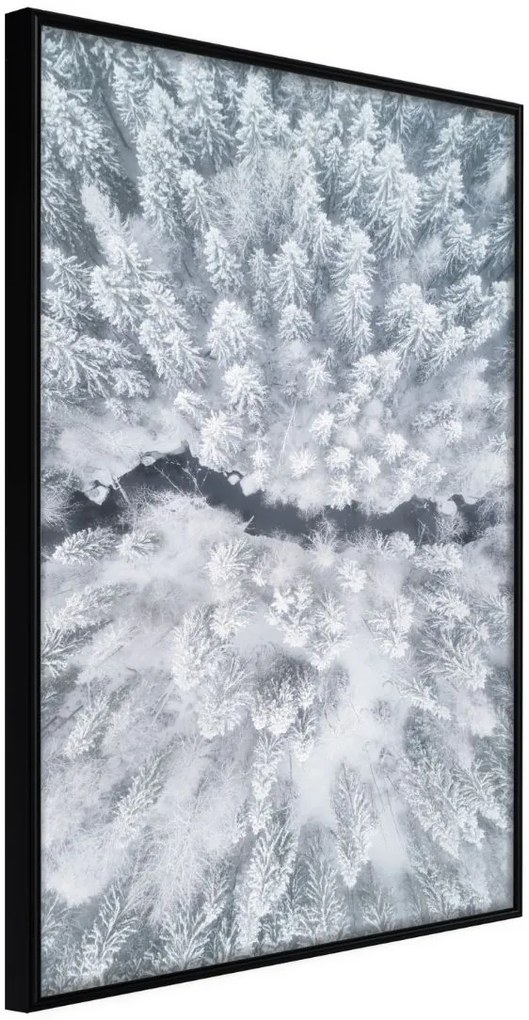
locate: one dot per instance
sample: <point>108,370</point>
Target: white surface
<point>469,47</point>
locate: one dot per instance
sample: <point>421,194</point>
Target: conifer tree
<point>290,275</point>
<point>351,323</point>
<point>206,132</point>
<point>245,391</point>
<point>412,323</point>
<point>221,263</point>
<point>232,334</point>
<point>355,823</point>
<point>442,191</point>
<point>353,256</point>
<point>159,180</point>
<point>385,179</point>
<point>256,121</point>
<point>399,221</point>
<point>195,201</point>
<point>220,440</point>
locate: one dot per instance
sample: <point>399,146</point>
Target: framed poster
<point>263,476</point>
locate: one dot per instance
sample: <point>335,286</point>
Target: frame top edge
<point>222,51</point>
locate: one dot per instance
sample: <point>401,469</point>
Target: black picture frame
<point>22,510</point>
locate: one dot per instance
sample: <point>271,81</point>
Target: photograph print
<point>277,516</point>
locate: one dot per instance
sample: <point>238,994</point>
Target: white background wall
<point>474,46</point>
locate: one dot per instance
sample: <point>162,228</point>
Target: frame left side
<point>22,980</point>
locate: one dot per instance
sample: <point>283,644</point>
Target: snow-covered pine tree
<point>442,191</point>
<point>295,324</point>
<point>160,172</point>
<point>266,878</point>
<point>290,275</point>
<point>245,392</point>
<point>412,324</point>
<point>203,121</point>
<point>196,203</point>
<point>232,333</point>
<point>400,216</point>
<point>222,263</point>
<point>324,911</point>
<point>256,120</point>
<point>221,439</point>
<point>355,823</point>
<point>352,314</point>
<point>354,255</point>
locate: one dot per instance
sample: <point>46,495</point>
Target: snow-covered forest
<point>255,741</point>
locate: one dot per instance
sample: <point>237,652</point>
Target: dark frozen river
<point>417,518</point>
